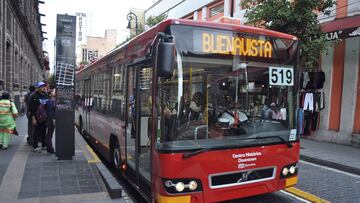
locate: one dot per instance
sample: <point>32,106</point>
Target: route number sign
<point>281,76</point>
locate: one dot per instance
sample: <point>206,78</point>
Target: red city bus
<point>193,111</point>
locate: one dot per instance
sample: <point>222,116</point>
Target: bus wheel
<point>115,157</point>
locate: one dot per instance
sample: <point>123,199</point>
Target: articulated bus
<point>193,111</point>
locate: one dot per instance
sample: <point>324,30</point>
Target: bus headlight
<point>181,185</point>
<point>292,169</point>
<point>192,185</point>
<point>289,170</point>
<point>285,171</point>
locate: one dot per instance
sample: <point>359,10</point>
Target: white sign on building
<point>81,27</point>
<point>81,32</point>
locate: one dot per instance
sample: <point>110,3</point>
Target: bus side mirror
<point>165,56</point>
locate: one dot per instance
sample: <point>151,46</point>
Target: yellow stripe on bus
<point>95,157</point>
<point>305,195</point>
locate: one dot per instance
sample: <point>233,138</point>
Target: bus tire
<point>115,157</point>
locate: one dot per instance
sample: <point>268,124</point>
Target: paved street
<point>329,184</point>
<point>7,155</point>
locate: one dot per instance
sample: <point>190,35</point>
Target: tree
<point>52,80</point>
<point>150,21</point>
<point>153,20</point>
<point>296,17</point>
<point>84,62</point>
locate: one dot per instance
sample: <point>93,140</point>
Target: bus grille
<point>241,177</point>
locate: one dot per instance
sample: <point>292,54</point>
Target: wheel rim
<point>116,157</point>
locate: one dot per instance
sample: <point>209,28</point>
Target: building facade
<point>339,121</point>
<point>97,47</point>
<point>21,55</point>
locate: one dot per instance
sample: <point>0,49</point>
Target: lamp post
<point>130,16</point>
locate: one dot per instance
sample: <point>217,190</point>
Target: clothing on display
<point>312,80</point>
<point>309,102</point>
<point>312,101</point>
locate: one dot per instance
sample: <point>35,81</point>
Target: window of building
<point>145,78</point>
<point>118,78</point>
<point>1,10</point>
<point>16,67</point>
<point>8,19</point>
<point>218,9</point>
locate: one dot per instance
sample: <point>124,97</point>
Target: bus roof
<point>160,27</point>
<point>229,26</point>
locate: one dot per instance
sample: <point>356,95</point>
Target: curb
<point>113,187</point>
<point>331,164</point>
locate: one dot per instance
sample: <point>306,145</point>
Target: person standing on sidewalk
<point>8,113</point>
<point>38,115</point>
<point>50,122</point>
<point>30,130</point>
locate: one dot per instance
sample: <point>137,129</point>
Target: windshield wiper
<point>189,154</point>
<point>276,136</point>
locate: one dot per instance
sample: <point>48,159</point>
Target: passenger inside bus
<point>273,112</point>
<point>196,106</point>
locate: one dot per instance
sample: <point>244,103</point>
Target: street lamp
<point>130,16</point>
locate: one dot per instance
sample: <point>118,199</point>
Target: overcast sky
<point>104,14</point>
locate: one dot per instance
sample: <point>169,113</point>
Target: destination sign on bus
<point>228,43</point>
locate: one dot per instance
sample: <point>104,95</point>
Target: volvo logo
<point>244,177</point>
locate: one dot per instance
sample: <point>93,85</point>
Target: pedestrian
<point>8,113</point>
<point>38,114</point>
<point>30,130</point>
<point>50,122</point>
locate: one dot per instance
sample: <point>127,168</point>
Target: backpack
<point>41,113</point>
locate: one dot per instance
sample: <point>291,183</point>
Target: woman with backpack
<point>38,115</point>
<point>8,113</point>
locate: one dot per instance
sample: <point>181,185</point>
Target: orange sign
<point>217,43</point>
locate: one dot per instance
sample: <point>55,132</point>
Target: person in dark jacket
<point>30,130</point>
<point>50,122</point>
<point>36,99</point>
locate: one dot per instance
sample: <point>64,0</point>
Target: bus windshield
<point>221,97</point>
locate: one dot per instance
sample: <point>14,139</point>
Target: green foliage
<point>84,62</point>
<point>153,20</point>
<point>297,17</point>
<point>141,28</point>
<point>52,80</point>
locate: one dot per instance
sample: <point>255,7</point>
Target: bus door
<point>87,104</point>
<point>137,125</point>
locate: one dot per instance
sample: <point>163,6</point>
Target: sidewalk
<point>32,177</point>
<point>332,155</point>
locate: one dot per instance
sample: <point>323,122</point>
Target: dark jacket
<point>34,102</point>
<point>26,101</point>
<point>50,108</point>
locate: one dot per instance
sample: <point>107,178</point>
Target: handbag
<point>15,132</point>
